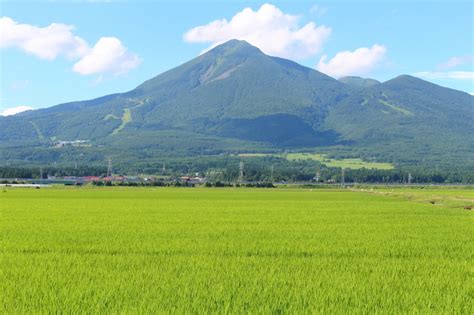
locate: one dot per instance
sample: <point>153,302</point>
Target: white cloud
<point>108,55</point>
<point>358,62</point>
<point>457,75</point>
<point>44,42</point>
<point>456,61</point>
<point>15,110</point>
<point>274,32</point>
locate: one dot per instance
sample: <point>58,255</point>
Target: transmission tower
<point>343,180</point>
<point>164,167</point>
<point>109,167</point>
<point>241,171</point>
<point>318,175</point>
<point>409,178</point>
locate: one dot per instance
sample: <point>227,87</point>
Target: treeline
<point>303,174</point>
<point>178,183</point>
<point>58,171</point>
<point>267,169</point>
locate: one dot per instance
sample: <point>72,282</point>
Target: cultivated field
<point>354,163</point>
<point>125,250</point>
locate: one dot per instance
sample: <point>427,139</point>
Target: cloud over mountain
<point>456,61</point>
<point>358,62</point>
<point>268,28</point>
<point>15,110</point>
<point>108,55</point>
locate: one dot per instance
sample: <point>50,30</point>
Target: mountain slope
<point>408,118</point>
<point>236,98</point>
<point>234,81</point>
<point>358,82</point>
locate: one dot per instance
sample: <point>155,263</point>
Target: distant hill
<point>408,120</point>
<point>234,98</point>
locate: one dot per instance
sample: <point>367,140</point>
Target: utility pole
<point>41,174</point>
<point>343,180</point>
<point>272,171</point>
<point>241,171</point>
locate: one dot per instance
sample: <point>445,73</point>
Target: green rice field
<point>196,250</point>
<point>353,163</point>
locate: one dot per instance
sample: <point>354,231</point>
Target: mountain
<point>409,120</point>
<point>232,84</point>
<point>358,82</point>
<point>234,98</point>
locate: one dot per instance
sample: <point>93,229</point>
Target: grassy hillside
<point>408,120</point>
<point>350,163</point>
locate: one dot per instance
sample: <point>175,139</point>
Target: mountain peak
<point>235,42</point>
<point>406,77</point>
<point>235,46</point>
<point>408,81</point>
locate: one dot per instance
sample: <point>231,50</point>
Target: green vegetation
<point>349,163</point>
<point>431,129</point>
<point>396,108</point>
<point>38,131</point>
<point>445,197</point>
<point>111,116</point>
<point>352,163</point>
<point>126,118</point>
<point>235,99</point>
<point>358,82</point>
<point>123,250</point>
<point>258,167</point>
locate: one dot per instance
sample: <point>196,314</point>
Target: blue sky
<point>100,47</point>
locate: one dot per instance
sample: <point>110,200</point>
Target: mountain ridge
<point>238,96</point>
